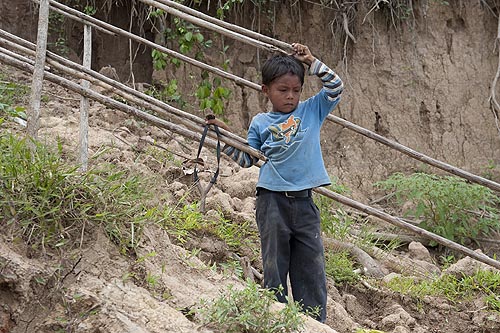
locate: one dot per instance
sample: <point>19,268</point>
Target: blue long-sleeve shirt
<point>291,141</point>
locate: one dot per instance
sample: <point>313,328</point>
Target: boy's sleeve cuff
<point>315,66</point>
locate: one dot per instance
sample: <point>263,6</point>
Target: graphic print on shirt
<point>285,130</point>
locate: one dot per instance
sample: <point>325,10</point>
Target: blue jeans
<point>291,245</point>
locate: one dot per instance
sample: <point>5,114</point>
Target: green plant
<point>188,39</point>
<point>236,235</point>
<point>484,283</point>
<point>152,280</point>
<point>50,204</point>
<point>225,7</point>
<point>181,220</point>
<point>211,94</point>
<point>335,221</point>
<point>167,92</point>
<point>57,37</point>
<point>249,310</point>
<point>448,206</point>
<point>159,60</point>
<point>10,94</point>
<point>90,10</point>
<point>232,267</point>
<point>340,267</point>
<point>186,36</point>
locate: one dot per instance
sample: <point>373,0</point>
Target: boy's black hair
<point>280,65</point>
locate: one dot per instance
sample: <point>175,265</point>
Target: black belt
<point>289,194</point>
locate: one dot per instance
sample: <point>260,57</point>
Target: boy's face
<point>284,93</point>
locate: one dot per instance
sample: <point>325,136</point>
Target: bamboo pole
<point>37,81</point>
<point>86,19</point>
<point>211,143</point>
<point>217,28</point>
<point>84,101</point>
<point>416,155</point>
<point>137,98</point>
<point>227,25</point>
<point>107,101</point>
<point>407,226</point>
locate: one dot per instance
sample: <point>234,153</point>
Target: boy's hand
<point>211,120</point>
<point>302,53</point>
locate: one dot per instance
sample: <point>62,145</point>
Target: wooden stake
<point>37,82</point>
<point>84,101</point>
<point>63,64</point>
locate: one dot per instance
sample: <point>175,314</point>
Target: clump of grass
<point>340,267</point>
<point>184,221</point>
<point>335,221</point>
<point>484,283</point>
<point>49,203</point>
<point>11,94</point>
<point>249,310</point>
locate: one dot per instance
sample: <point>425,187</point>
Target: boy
<point>289,136</point>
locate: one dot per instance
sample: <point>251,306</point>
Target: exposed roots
<point>495,107</point>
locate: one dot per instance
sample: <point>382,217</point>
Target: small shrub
<point>335,221</point>
<point>340,267</point>
<point>186,220</point>
<point>448,206</point>
<point>249,310</point>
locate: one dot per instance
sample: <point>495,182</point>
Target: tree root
<point>495,107</point>
<point>370,266</point>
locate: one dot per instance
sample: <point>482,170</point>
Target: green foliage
<point>340,267</point>
<point>484,283</point>
<point>335,221</point>
<point>159,60</point>
<point>184,221</point>
<point>10,94</point>
<point>211,95</point>
<point>249,310</point>
<point>57,37</point>
<point>167,92</point>
<point>236,235</point>
<point>189,40</point>
<point>90,10</point>
<point>448,206</point>
<point>225,7</point>
<point>181,220</point>
<point>48,203</point>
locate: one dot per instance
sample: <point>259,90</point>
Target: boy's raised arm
<point>332,84</point>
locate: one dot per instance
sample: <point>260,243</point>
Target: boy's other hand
<point>302,53</point>
<point>211,120</point>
